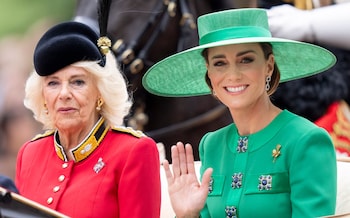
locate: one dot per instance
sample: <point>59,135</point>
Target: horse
<point>144,32</point>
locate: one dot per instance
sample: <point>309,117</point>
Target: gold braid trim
<point>129,130</point>
<point>341,129</point>
<point>46,133</point>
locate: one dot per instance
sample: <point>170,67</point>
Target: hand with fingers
<point>187,194</point>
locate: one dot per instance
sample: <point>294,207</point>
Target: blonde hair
<point>110,82</point>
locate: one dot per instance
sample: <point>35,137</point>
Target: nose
<point>65,91</point>
<point>234,72</point>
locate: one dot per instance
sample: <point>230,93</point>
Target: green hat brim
<point>183,74</point>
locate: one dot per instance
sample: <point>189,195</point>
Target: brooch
<point>276,152</point>
<point>242,145</point>
<point>236,180</point>
<point>99,165</point>
<point>265,182</point>
<point>231,212</point>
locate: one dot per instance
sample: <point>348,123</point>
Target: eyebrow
<point>73,76</point>
<point>238,54</point>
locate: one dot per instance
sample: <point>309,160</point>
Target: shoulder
<point>43,135</point>
<point>303,138</point>
<point>37,146</point>
<point>130,139</point>
<point>129,131</point>
<point>303,126</point>
<point>130,136</point>
<point>221,133</point>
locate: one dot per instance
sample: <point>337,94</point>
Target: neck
<point>69,138</point>
<point>254,118</point>
<point>85,147</point>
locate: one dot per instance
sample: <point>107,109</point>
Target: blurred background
<point>22,22</point>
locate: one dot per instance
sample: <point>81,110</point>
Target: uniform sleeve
<point>139,187</point>
<point>18,179</point>
<point>313,175</point>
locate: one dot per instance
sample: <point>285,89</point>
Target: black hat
<point>64,44</point>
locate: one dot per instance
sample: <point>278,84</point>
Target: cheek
<point>49,99</point>
<point>214,78</point>
<point>88,103</point>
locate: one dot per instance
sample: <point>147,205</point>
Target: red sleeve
<point>18,181</point>
<point>139,187</point>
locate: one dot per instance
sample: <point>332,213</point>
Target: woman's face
<point>70,95</point>
<point>238,74</point>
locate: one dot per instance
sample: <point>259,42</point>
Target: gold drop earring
<point>45,109</point>
<point>99,104</point>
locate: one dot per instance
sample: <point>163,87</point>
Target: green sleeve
<point>313,175</point>
<point>204,212</point>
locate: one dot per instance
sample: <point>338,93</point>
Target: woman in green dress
<point>269,162</point>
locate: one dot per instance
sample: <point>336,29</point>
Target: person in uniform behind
<point>323,98</point>
<point>87,164</point>
<point>269,162</point>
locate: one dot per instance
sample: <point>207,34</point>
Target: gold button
<point>49,200</point>
<point>65,165</point>
<point>61,178</point>
<point>56,189</point>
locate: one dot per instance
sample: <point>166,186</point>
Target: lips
<point>66,109</point>
<point>236,89</point>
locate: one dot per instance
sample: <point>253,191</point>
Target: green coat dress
<point>287,169</point>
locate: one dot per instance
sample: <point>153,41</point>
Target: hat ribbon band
<point>234,33</point>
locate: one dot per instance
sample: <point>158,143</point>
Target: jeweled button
<point>49,200</point>
<point>56,189</point>
<point>61,178</point>
<point>65,165</point>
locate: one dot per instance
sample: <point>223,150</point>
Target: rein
<point>135,61</point>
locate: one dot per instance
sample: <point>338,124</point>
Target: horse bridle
<point>135,61</point>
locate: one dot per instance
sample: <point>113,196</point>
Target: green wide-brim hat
<point>183,74</point>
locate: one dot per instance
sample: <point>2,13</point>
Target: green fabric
<point>183,74</point>
<point>234,33</point>
<point>303,175</point>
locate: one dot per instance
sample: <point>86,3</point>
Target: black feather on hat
<point>70,42</point>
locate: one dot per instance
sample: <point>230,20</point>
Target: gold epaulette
<point>129,130</point>
<point>42,135</point>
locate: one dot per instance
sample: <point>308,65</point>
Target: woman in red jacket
<point>87,164</point>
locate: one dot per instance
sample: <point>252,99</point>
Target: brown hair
<point>267,50</point>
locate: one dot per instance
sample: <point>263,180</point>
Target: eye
<point>246,60</point>
<point>78,82</point>
<point>52,83</point>
<point>219,63</point>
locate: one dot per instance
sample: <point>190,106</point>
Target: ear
<point>270,65</point>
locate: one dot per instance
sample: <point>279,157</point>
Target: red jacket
<point>119,179</point>
<point>338,126</point>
